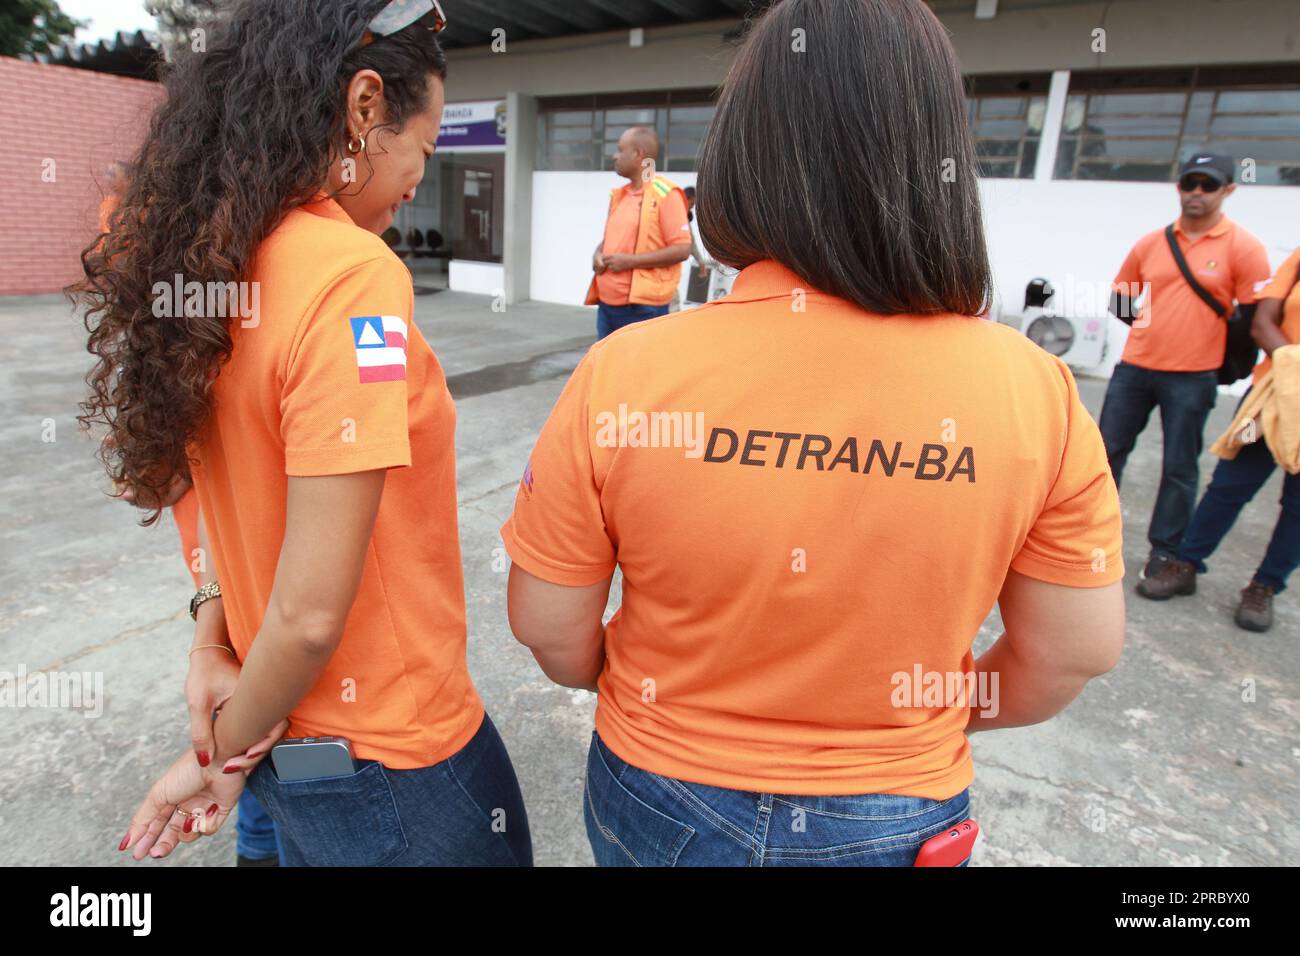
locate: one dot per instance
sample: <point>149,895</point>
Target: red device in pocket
<point>950,847</point>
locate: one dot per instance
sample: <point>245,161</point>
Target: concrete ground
<point>1185,755</point>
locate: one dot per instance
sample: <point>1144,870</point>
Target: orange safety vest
<point>649,286</point>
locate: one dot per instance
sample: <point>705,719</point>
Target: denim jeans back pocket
<point>623,829</point>
<point>335,821</point>
<point>865,830</point>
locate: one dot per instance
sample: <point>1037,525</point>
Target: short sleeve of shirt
<point>343,408</point>
<point>1283,280</point>
<point>1130,273</point>
<point>1077,539</point>
<point>672,219</point>
<point>557,531</point>
<point>1250,270</point>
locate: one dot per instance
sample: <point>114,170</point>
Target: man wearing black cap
<point>1177,341</point>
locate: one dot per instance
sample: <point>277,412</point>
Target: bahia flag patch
<point>380,341</point>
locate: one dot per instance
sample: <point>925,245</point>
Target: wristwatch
<point>206,593</point>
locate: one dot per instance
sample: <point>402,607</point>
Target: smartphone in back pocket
<point>310,758</point>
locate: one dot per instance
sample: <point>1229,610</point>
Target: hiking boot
<point>1155,564</point>
<point>1176,577</point>
<point>1255,612</point>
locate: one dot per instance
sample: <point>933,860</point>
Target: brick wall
<point>81,121</point>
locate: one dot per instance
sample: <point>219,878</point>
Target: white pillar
<point>521,146</point>
<point>1052,123</point>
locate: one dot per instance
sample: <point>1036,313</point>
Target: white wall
<point>1073,233</point>
<point>480,278</point>
<point>1076,234</point>
<point>569,211</point>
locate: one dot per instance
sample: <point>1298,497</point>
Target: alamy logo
<point>935,689</point>
<point>102,909</point>
<point>636,429</point>
<point>222,300</point>
<point>53,690</point>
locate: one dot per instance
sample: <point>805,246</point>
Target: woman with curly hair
<point>318,431</point>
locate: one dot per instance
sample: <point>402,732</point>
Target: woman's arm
<point>328,525</point>
<point>1266,328</point>
<point>1056,640</point>
<point>210,622</point>
<point>562,626</point>
<point>213,670</point>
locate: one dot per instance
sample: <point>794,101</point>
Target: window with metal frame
<point>1141,125</point>
<point>1006,115</point>
<point>580,133</point>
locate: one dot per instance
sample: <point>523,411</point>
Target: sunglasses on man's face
<point>400,14</point>
<point>1191,183</point>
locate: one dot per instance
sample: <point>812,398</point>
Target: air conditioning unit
<point>1079,341</point>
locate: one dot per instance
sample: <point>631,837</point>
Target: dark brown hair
<point>849,161</point>
<point>246,133</point>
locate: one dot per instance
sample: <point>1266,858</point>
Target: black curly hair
<point>246,133</point>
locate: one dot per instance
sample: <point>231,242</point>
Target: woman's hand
<point>211,680</point>
<point>207,795</point>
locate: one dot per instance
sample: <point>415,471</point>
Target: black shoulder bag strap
<point>1199,289</point>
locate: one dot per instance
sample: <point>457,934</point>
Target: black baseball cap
<point>1215,165</point>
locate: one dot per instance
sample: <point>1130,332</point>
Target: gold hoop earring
<point>359,148</point>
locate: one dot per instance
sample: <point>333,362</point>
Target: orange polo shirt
<point>1283,286</point>
<point>1175,330</point>
<point>334,379</point>
<point>615,288</point>
<point>186,515</point>
<point>833,513</point>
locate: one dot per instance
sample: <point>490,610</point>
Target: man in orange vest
<point>647,237</point>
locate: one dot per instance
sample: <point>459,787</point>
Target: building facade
<point>1082,111</point>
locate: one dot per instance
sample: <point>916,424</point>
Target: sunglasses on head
<point>1190,183</point>
<point>400,14</point>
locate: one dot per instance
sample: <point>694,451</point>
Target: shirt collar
<point>767,279</point>
<point>1223,226</point>
<point>322,205</point>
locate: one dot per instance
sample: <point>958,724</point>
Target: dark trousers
<point>1185,400</point>
<point>1235,482</point>
<point>611,318</point>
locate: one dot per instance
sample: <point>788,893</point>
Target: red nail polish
<point>125,840</point>
<point>204,759</point>
<point>212,809</point>
<point>230,770</point>
<point>189,825</point>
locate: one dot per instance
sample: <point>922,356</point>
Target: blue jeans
<point>1235,483</point>
<point>255,836</point>
<point>465,811</point>
<point>638,818</point>
<point>611,318</point>
<point>1185,400</point>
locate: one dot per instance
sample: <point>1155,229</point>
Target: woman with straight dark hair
<point>255,333</point>
<point>822,488</point>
